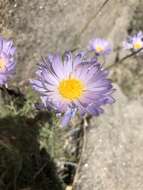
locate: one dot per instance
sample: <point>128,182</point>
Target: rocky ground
<point>113,155</point>
<point>114,161</point>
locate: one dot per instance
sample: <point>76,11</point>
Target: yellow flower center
<point>71,88</point>
<point>99,49</point>
<point>2,64</point>
<point>137,45</point>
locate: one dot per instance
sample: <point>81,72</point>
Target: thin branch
<point>40,171</point>
<point>85,125</point>
<point>124,58</point>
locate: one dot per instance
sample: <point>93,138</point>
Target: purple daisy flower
<point>134,42</point>
<point>69,86</point>
<point>99,46</point>
<point>7,63</point>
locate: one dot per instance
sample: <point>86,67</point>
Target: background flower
<point>100,46</point>
<point>7,63</point>
<point>134,42</point>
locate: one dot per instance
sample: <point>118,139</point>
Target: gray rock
<point>114,151</point>
<point>39,27</point>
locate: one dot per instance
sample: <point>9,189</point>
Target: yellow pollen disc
<point>99,49</point>
<point>137,45</point>
<point>71,88</point>
<point>2,64</point>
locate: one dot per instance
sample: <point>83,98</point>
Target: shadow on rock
<point>22,164</point>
